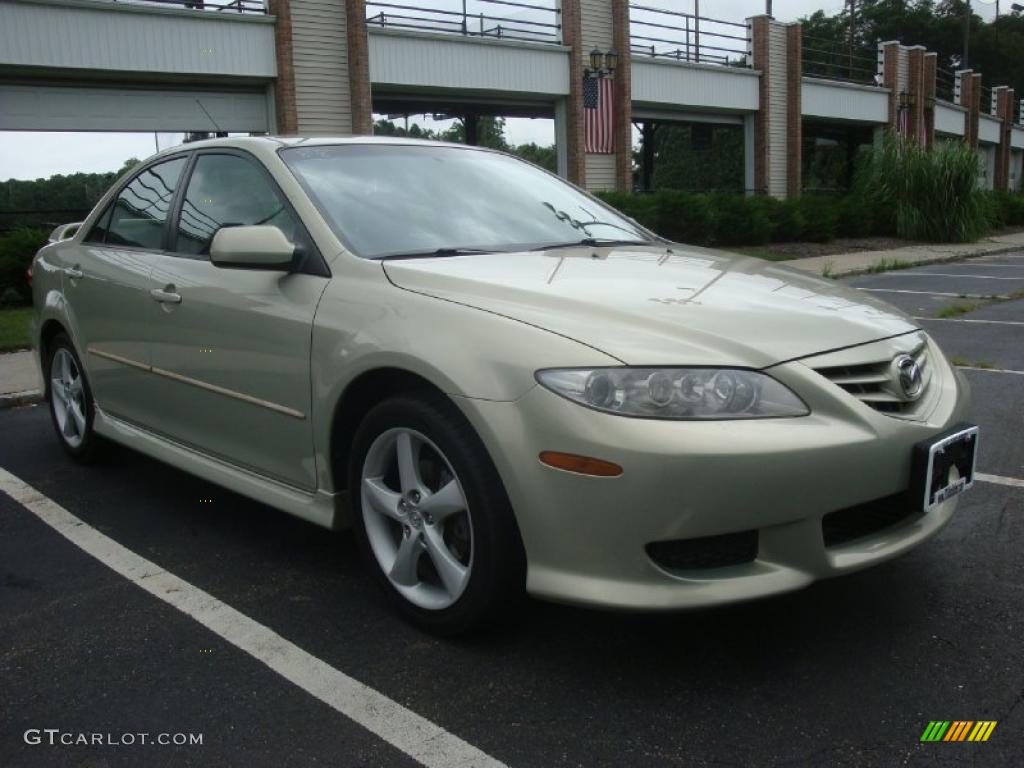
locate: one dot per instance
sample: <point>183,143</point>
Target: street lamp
<point>602,63</point>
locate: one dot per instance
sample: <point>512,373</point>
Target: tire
<point>437,531</point>
<point>72,408</point>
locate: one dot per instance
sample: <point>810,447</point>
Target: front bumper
<point>585,537</point>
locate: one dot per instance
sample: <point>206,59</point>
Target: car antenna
<point>210,116</point>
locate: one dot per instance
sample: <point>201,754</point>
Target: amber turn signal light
<point>581,465</point>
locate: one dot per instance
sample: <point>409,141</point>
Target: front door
<point>232,348</point>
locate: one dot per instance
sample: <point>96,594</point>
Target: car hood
<point>654,305</point>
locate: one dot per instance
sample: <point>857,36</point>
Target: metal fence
<point>215,6</point>
<point>945,85</point>
<point>499,19</point>
<point>831,60</point>
<point>687,37</point>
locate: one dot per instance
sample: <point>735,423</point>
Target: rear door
<point>232,349</point>
<point>107,283</point>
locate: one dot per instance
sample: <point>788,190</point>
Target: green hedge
<point>732,220</point>
<point>16,251</point>
<point>738,220</point>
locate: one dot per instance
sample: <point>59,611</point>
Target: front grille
<point>853,523</point>
<point>875,383</point>
<point>705,552</point>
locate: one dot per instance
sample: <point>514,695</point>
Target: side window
<point>228,191</point>
<point>98,233</point>
<point>140,211</point>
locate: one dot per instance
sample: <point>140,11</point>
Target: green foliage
<point>697,157</point>
<point>490,134</point>
<point>1003,209</point>
<point>739,221</point>
<point>855,217</point>
<point>929,194</point>
<point>821,217</point>
<point>16,251</point>
<point>14,329</point>
<point>938,25</point>
<point>59,199</point>
<point>545,157</point>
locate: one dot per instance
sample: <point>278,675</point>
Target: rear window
<point>139,213</point>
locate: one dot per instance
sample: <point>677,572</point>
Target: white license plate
<point>957,451</point>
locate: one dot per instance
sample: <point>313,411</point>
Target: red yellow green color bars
<point>958,730</point>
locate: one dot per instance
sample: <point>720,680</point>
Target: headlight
<point>676,393</point>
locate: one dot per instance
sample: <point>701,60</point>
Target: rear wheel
<point>70,399</point>
<point>432,518</point>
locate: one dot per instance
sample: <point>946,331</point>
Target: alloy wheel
<point>417,519</point>
<point>67,397</point>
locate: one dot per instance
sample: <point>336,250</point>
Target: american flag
<point>598,117</point>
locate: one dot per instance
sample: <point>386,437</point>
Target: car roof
<point>261,145</point>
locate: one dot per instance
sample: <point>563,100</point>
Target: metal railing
<point>687,37</point>
<point>945,85</point>
<point>529,22</point>
<point>831,60</point>
<point>215,6</point>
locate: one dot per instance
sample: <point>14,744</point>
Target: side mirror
<point>255,247</point>
<point>64,232</point>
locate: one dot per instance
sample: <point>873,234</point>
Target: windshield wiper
<point>439,253</point>
<point>592,242</point>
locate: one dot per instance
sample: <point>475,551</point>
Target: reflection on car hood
<point>655,306</point>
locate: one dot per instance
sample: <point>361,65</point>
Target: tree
<point>939,26</point>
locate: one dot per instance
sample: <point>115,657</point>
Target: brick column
<point>776,55</point>
<point>928,78</point>
<point>795,116</point>
<point>623,97</point>
<point>970,87</point>
<point>915,92</point>
<point>1004,110</point>
<point>572,37</point>
<point>358,67</point>
<point>890,79</point>
<point>284,88</point>
<point>759,57</point>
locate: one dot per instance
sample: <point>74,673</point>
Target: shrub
<point>685,218</point>
<point>856,218</point>
<point>785,221</point>
<point>740,220</point>
<point>926,194</point>
<point>1015,210</point>
<point>16,251</point>
<point>821,217</point>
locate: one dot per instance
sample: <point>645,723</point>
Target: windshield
<point>395,199</point>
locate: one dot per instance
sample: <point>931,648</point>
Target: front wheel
<point>432,518</point>
<point>70,399</point>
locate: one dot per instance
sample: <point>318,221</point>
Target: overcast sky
<point>35,155</point>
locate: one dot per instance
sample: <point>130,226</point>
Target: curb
<point>19,399</point>
<point>910,265</point>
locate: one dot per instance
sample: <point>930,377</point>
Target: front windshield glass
<point>396,199</point>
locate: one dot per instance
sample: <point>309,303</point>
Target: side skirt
<point>325,509</point>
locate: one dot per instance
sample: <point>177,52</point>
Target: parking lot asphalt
<point>845,673</point>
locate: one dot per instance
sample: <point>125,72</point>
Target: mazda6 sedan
<point>503,385</point>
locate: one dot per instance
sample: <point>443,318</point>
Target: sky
<point>32,155</point>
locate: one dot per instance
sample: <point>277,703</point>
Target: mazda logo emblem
<point>909,374</point>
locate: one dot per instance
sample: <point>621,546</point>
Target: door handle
<point>73,272</point>
<point>166,295</point>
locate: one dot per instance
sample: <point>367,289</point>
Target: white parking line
<point>969,320</point>
<point>416,736</point>
<point>1013,482</point>
<point>989,370</point>
<point>952,274</point>
<point>933,293</point>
